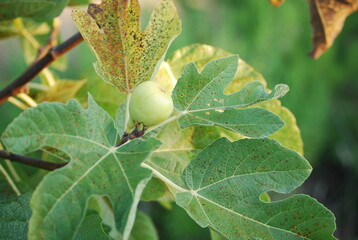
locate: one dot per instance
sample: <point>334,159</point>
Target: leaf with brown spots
<point>327,20</point>
<point>201,101</point>
<point>223,187</point>
<point>126,55</point>
<point>201,54</point>
<point>88,137</point>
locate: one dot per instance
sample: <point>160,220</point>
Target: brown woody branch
<point>52,54</point>
<point>30,161</point>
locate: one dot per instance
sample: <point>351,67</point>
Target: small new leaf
<point>126,55</point>
<point>225,182</point>
<point>201,100</point>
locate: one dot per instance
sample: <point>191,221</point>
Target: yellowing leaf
<point>327,19</point>
<point>201,55</point>
<point>126,55</point>
<point>62,91</point>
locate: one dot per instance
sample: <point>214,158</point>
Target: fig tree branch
<point>30,161</point>
<point>41,63</point>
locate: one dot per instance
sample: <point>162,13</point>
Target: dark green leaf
<point>10,9</point>
<point>15,215</point>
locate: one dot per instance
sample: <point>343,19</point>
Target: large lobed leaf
<point>88,137</point>
<point>126,55</point>
<point>201,100</point>
<point>224,183</point>
<point>201,54</point>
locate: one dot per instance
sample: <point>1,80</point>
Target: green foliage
<point>202,101</point>
<point>200,156</point>
<point>15,215</point>
<point>143,228</point>
<point>11,9</point>
<point>96,167</point>
<point>253,166</point>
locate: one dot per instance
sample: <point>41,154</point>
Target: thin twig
<point>30,161</point>
<point>54,53</point>
<point>52,40</point>
<point>9,180</point>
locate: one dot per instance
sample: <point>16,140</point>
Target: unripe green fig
<point>150,104</point>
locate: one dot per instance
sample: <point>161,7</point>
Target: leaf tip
<point>281,90</point>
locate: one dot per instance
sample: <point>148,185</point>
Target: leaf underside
<point>96,167</point>
<point>226,179</point>
<point>202,101</point>
<point>201,54</point>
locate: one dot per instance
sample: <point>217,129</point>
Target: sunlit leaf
<point>97,167</point>
<point>126,55</point>
<point>105,95</point>
<point>201,54</point>
<point>327,19</point>
<point>224,183</point>
<point>62,91</point>
<point>10,29</point>
<point>201,100</point>
<point>174,155</point>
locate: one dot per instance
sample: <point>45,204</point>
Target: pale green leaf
<point>9,28</point>
<point>154,190</point>
<point>216,236</point>
<point>105,95</point>
<point>121,118</point>
<point>224,183</point>
<point>174,155</point>
<point>15,215</point>
<point>289,135</point>
<point>88,136</point>
<point>91,228</point>
<point>201,100</point>
<point>201,54</point>
<point>62,91</point>
<point>126,55</point>
<point>143,228</point>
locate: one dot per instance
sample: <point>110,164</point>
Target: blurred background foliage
<point>275,41</point>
